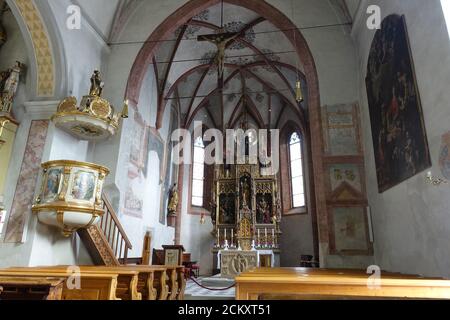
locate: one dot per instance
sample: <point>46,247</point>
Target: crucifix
<point>221,41</point>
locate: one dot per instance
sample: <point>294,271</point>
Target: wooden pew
<point>133,282</point>
<point>127,279</point>
<point>181,282</point>
<point>304,283</point>
<point>31,288</point>
<point>172,277</point>
<point>145,285</point>
<point>174,285</point>
<point>94,285</point>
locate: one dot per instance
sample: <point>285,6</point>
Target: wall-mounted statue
<point>9,82</point>
<point>173,200</point>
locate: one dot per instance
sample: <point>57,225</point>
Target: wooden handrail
<point>114,232</point>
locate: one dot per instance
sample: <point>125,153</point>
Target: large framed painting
<point>398,130</point>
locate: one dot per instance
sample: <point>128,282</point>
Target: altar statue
<point>173,200</point>
<point>264,212</point>
<point>278,209</point>
<point>226,210</point>
<point>96,84</point>
<point>245,192</point>
<point>277,216</point>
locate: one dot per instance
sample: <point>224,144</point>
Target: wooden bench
<point>127,279</point>
<point>132,282</point>
<point>93,285</point>
<point>37,288</point>
<point>145,286</point>
<point>305,283</point>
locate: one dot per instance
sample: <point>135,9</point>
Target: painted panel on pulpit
<point>398,130</point>
<point>83,185</point>
<point>52,185</point>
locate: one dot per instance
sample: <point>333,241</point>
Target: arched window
<point>296,171</point>
<point>198,173</point>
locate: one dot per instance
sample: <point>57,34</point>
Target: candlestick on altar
<point>265,237</point>
<point>232,236</point>
<point>273,238</point>
<point>218,237</point>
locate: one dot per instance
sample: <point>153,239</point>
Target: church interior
<point>224,149</point>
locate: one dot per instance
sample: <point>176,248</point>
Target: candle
<point>265,236</point>
<point>225,234</point>
<point>232,236</point>
<point>259,242</point>
<point>273,237</point>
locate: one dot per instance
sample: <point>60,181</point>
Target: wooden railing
<point>114,232</point>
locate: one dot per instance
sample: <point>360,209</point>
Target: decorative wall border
<point>43,53</point>
<point>26,183</point>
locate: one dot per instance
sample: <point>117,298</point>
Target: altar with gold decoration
<point>246,218</point>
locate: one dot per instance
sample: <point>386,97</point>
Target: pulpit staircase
<point>106,242</point>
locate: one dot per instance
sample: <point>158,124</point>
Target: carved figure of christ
<point>221,41</point>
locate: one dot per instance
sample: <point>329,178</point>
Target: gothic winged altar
<point>246,212</point>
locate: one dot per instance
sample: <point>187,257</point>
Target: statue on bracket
<point>173,200</point>
<point>9,82</point>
